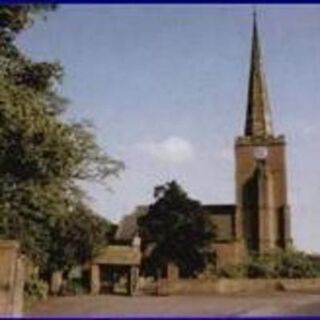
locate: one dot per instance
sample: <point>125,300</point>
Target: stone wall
<point>228,253</point>
<point>229,286</point>
<point>11,279</point>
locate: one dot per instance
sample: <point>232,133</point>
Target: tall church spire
<point>258,117</point>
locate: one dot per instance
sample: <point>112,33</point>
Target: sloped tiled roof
<point>128,227</point>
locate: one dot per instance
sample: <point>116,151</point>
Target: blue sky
<point>165,87</point>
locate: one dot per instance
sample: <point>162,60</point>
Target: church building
<point>259,221</point>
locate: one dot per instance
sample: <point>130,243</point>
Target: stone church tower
<point>262,213</point>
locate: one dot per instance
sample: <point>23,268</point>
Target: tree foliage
<point>178,230</point>
<point>42,156</point>
<point>78,236</point>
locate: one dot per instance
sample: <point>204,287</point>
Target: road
<point>235,305</point>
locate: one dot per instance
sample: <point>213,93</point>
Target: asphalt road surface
<point>215,305</point>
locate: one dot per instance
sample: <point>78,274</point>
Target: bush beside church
<point>288,264</point>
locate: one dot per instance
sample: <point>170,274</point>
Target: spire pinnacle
<point>258,117</point>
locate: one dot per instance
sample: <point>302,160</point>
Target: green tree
<point>42,157</point>
<point>78,236</point>
<point>177,229</point>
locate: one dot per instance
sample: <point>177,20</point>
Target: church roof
<point>258,117</point>
<point>220,208</point>
<point>128,226</point>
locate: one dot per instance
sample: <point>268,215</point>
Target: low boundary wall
<point>11,279</point>
<point>227,286</point>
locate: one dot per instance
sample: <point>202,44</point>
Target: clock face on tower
<point>260,152</point>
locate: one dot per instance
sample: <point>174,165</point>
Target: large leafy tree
<point>78,236</point>
<point>175,229</point>
<point>42,156</point>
